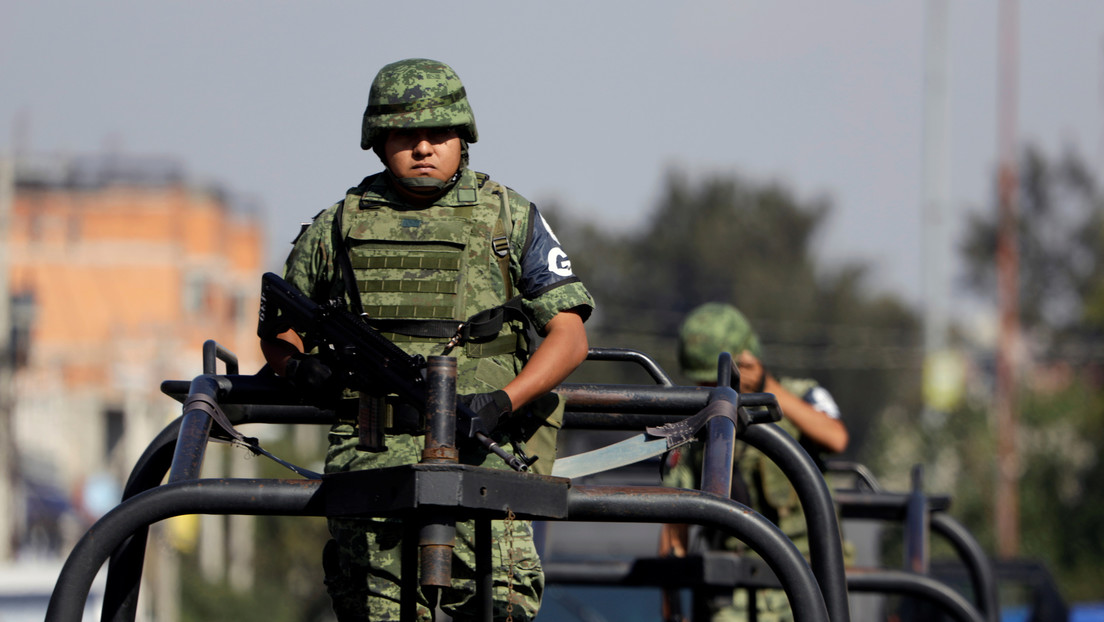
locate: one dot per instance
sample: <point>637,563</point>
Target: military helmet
<point>707,331</point>
<point>416,93</point>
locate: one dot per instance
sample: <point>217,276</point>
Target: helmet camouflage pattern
<point>416,93</point>
<point>708,331</point>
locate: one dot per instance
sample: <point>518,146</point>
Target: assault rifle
<point>367,361</point>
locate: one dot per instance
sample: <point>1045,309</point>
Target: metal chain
<point>509,524</point>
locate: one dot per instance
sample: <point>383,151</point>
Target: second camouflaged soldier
<point>809,415</point>
<point>427,244</point>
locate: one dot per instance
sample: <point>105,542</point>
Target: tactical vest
<point>440,266</point>
<point>435,266</point>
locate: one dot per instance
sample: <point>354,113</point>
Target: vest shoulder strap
<point>503,231</point>
<point>343,262</point>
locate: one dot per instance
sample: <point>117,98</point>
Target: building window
<point>195,293</point>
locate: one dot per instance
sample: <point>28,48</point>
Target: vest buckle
<point>457,338</point>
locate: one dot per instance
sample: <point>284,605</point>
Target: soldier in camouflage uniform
<point>429,244</point>
<point>810,415</point>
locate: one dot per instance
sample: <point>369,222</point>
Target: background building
<point>118,269</point>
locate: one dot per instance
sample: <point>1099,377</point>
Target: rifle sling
<point>204,403</point>
<point>681,432</point>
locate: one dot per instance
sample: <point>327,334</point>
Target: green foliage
<point>1060,223</point>
<point>1060,500</point>
<point>1061,432</point>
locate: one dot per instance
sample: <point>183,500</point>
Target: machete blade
<point>628,451</point>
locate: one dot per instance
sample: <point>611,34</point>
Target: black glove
<point>488,409</point>
<point>308,374</point>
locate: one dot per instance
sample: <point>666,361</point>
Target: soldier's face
<point>431,152</point>
<point>751,372</point>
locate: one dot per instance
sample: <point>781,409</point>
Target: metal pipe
<point>230,496</point>
<point>238,389</point>
<point>717,459</point>
<point>982,576</point>
<point>195,429</point>
<point>124,570</point>
<point>646,399</point>
<point>633,398</point>
<point>862,474</point>
<point>484,569</point>
<point>717,456</point>
<point>728,375</point>
<point>213,352</point>
<point>922,586</point>
<point>672,505</point>
<point>887,506</point>
<point>440,438</point>
<point>437,534</point>
<point>916,525</point>
<point>631,356</point>
<point>825,545</point>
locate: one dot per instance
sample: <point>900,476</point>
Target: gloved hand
<point>488,408</point>
<point>311,376</point>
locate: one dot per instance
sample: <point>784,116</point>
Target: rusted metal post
<point>1007,502</point>
<point>916,525</point>
<point>717,461</point>
<point>195,431</point>
<point>437,536</point>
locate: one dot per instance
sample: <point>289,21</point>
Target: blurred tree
<point>728,239</point>
<point>1061,221</point>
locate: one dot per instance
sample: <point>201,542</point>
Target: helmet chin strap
<point>423,186</point>
<point>430,186</point>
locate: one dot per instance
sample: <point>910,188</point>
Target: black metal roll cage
<point>436,491</point>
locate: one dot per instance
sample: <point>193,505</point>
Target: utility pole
<point>939,374</point>
<point>1007,503</point>
<point>936,190</point>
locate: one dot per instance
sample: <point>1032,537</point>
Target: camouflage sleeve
<point>679,469</point>
<point>310,266</point>
<point>542,270</point>
<point>815,395</point>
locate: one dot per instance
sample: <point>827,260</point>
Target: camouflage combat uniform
<point>472,249</point>
<point>380,223</point>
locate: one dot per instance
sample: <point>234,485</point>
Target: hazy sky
<point>584,103</point>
